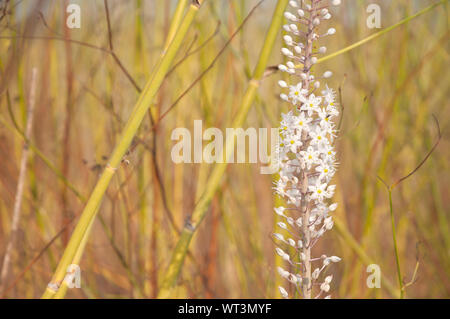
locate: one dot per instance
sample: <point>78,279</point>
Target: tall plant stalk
<point>305,152</point>
<point>20,184</point>
<point>128,133</point>
<point>200,209</point>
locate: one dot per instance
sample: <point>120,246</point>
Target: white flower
<point>278,236</point>
<point>316,273</point>
<point>282,225</point>
<point>288,40</point>
<point>290,16</point>
<point>325,287</point>
<point>305,149</point>
<point>325,118</point>
<point>283,292</point>
<point>335,259</point>
<point>301,122</point>
<point>328,74</point>
<point>318,191</point>
<point>318,136</point>
<point>331,31</point>
<point>293,4</point>
<point>294,141</point>
<point>309,157</point>
<point>283,273</point>
<point>310,103</point>
<point>280,210</point>
<point>296,93</point>
<point>282,84</point>
<point>326,171</point>
<point>287,52</point>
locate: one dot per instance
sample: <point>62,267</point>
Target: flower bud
<point>331,31</point>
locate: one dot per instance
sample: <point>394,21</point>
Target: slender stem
<point>397,258</point>
<point>20,185</point>
<point>377,34</point>
<point>303,181</point>
<point>129,132</point>
<point>200,209</point>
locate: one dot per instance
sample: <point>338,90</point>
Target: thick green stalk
<point>218,171</point>
<point>175,23</point>
<point>121,148</point>
<point>76,261</point>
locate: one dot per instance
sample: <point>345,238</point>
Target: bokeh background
<point>390,88</point>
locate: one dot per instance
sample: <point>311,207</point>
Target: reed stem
<point>128,133</point>
<point>212,185</point>
<point>20,185</point>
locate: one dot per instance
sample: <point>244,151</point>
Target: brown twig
<point>20,185</point>
<point>210,66</point>
<point>113,54</point>
<point>425,158</point>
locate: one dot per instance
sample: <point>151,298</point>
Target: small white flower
<point>280,210</point>
<point>318,136</point>
<point>296,93</point>
<point>325,287</point>
<point>283,273</point>
<point>318,191</point>
<point>278,236</point>
<point>288,40</point>
<point>290,16</point>
<point>335,259</point>
<point>283,84</point>
<point>310,104</point>
<point>322,50</point>
<point>282,225</point>
<point>287,52</point>
<point>309,157</point>
<point>283,292</point>
<point>282,67</point>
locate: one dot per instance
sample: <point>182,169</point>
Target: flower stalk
<point>305,152</point>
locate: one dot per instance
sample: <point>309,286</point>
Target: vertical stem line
<point>218,171</point>
<point>306,233</point>
<point>397,258</point>
<point>20,184</point>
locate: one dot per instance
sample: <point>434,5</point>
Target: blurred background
<point>389,90</point>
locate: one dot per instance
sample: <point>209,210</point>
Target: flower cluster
<point>306,155</point>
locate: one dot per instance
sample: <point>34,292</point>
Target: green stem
<point>376,35</point>
<point>397,259</point>
<point>128,133</point>
<point>218,171</point>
